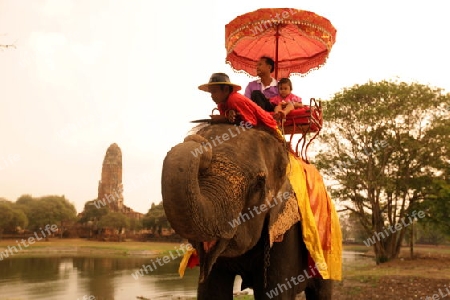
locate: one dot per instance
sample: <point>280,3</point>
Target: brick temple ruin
<point>110,187</point>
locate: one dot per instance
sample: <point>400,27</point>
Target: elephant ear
<point>283,213</point>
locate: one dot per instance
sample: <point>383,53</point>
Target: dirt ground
<point>427,275</point>
<point>393,287</point>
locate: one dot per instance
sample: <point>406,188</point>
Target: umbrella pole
<point>277,34</point>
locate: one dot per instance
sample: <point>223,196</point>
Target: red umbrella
<point>298,40</point>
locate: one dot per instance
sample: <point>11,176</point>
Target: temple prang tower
<point>110,186</point>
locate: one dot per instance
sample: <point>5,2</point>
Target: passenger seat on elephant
<point>301,122</point>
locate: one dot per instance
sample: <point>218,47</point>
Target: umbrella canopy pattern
<point>298,40</point>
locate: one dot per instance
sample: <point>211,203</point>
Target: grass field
<point>404,265</point>
<point>55,246</point>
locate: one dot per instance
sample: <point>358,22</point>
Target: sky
<point>85,74</point>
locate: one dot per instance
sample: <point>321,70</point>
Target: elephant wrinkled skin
<point>213,178</point>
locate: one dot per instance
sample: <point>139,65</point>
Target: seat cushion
<point>306,115</point>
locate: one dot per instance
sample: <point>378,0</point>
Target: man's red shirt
<point>249,110</point>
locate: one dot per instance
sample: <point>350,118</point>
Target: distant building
<point>110,187</point>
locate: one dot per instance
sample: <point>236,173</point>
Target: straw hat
<point>219,78</point>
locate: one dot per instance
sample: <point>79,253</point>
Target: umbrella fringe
<point>290,74</point>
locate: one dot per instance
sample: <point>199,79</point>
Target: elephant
<point>216,176</point>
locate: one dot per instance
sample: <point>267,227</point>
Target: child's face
<point>217,94</point>
<point>284,90</point>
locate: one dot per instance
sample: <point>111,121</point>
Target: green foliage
<point>437,207</point>
<point>114,220</point>
<point>155,218</point>
<point>135,224</point>
<point>351,228</point>
<point>46,210</point>
<point>19,219</point>
<point>436,202</point>
<point>426,233</point>
<point>92,213</point>
<point>383,144</point>
<point>24,200</point>
<point>11,216</point>
<point>6,215</point>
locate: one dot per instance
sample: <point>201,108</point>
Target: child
<point>232,104</point>
<point>285,102</point>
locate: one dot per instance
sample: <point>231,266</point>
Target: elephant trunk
<point>197,212</point>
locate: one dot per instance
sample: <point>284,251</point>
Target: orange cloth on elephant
<point>249,111</point>
<point>326,218</point>
<point>323,241</point>
<point>319,206</point>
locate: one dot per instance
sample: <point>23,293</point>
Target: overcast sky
<point>89,73</point>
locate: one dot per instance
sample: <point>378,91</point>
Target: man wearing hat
<point>232,104</point>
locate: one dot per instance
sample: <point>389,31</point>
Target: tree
<point>24,200</point>
<point>11,216</point>
<point>6,215</point>
<point>437,207</point>
<point>156,219</point>
<point>380,147</point>
<point>135,224</point>
<point>426,233</point>
<point>47,210</point>
<point>115,220</point>
<point>19,219</point>
<point>351,228</point>
<point>92,213</point>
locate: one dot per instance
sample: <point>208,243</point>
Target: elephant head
<point>212,182</point>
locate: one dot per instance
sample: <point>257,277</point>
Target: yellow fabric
<point>311,238</point>
<point>320,207</point>
<point>327,220</point>
<point>279,135</point>
<point>334,256</point>
<point>324,245</point>
<point>184,261</point>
